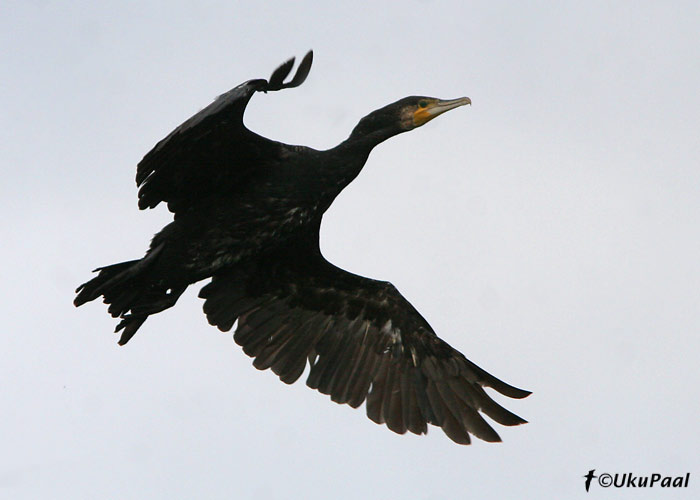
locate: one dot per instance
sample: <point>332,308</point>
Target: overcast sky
<point>551,232</point>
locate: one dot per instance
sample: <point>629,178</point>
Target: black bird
<point>247,212</point>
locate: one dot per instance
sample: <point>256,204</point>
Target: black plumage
<point>247,213</point>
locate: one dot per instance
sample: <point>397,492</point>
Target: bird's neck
<point>350,157</point>
<point>345,161</point>
<point>356,148</point>
<point>368,139</point>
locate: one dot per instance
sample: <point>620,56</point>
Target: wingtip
<point>308,56</point>
<point>276,80</point>
<point>504,388</point>
<point>493,439</point>
<point>520,393</point>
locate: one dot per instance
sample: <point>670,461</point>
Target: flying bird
<point>247,213</point>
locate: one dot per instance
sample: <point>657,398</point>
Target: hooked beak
<point>436,108</point>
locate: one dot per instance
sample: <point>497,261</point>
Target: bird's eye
<point>423,103</point>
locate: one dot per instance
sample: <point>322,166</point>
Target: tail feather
<point>131,292</point>
<point>130,323</point>
<point>105,283</point>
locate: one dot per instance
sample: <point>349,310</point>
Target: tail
<point>131,293</point>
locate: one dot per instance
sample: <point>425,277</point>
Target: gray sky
<point>550,232</point>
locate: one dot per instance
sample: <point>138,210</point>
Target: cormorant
<point>247,212</point>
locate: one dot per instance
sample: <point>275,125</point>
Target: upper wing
<point>363,341</point>
<point>213,151</point>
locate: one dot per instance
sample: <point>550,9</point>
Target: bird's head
<point>417,111</point>
<point>405,114</point>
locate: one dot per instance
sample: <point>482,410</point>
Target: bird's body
<point>248,212</point>
<point>263,212</point>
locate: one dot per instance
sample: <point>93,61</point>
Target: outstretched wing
<point>213,151</point>
<point>363,341</point>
